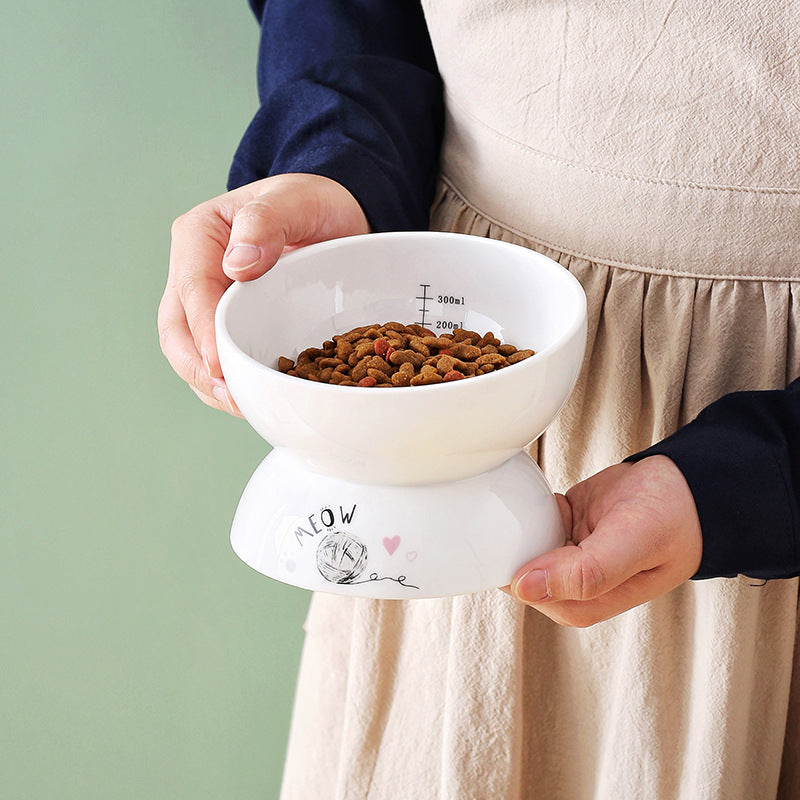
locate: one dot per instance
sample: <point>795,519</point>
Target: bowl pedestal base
<point>322,533</point>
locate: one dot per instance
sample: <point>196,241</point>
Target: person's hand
<point>634,534</point>
<point>239,236</point>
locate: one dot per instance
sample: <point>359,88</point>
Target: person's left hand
<point>633,534</point>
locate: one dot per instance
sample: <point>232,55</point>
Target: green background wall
<point>139,658</point>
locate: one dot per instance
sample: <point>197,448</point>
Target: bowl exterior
<point>412,435</point>
<point>394,542</point>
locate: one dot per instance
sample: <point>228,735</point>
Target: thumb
<point>290,210</point>
<point>568,573</point>
<point>601,562</point>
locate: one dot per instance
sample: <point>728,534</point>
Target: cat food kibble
<point>383,356</point>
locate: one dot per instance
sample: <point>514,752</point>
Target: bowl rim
<point>237,287</point>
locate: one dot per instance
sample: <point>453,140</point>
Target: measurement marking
<point>424,297</point>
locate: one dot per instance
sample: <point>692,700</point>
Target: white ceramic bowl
<point>413,435</point>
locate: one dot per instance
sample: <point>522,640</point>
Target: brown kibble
<point>379,375</point>
<point>343,349</point>
<point>445,364</point>
<point>393,354</point>
<point>492,358</point>
<point>418,346</point>
<point>437,342</point>
<point>406,356</point>
<point>465,352</point>
<point>365,349</point>
<point>307,369</point>
<point>520,355</point>
<point>488,338</point>
<point>427,375</point>
<point>426,378</point>
<point>359,371</point>
<point>397,327</point>
<point>463,335</point>
<point>398,341</point>
<point>376,362</point>
<point>309,354</point>
<point>352,336</point>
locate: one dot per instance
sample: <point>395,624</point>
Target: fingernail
<point>221,395</point>
<point>242,256</point>
<point>532,586</point>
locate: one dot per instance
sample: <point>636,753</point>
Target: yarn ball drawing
<point>341,557</point>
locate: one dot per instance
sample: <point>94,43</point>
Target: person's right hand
<point>239,236</point>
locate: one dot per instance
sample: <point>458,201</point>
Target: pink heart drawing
<point>411,555</point>
<point>391,544</point>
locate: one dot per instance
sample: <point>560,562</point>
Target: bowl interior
<point>439,280</point>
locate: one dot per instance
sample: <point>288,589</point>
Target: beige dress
<point>652,148</point>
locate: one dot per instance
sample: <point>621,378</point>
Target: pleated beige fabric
<point>653,149</point>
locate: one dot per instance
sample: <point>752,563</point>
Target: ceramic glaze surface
<point>413,435</point>
<point>394,542</point>
<point>405,492</point>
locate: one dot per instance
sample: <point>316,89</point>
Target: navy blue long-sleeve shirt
<point>350,90</point>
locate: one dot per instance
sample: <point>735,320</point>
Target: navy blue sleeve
<point>741,459</point>
<point>349,89</point>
